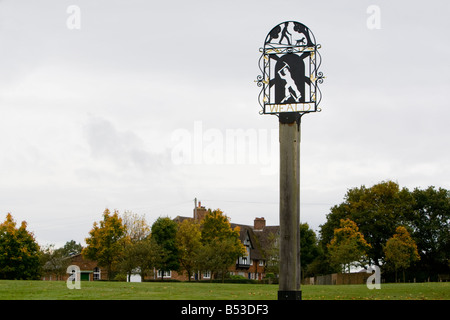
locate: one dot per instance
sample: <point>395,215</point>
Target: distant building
<point>89,270</point>
<point>255,238</point>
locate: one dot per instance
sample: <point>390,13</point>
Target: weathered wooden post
<point>289,277</point>
<point>289,64</point>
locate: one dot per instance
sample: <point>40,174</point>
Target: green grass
<point>57,290</point>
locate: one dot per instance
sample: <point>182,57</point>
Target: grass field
<point>57,290</point>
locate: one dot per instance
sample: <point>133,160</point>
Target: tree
<point>140,256</point>
<point>164,232</point>
<point>19,251</point>
<point>380,209</point>
<point>222,243</point>
<point>348,244</point>
<point>189,245</point>
<point>272,253</point>
<point>309,248</point>
<point>105,243</point>
<point>146,254</point>
<point>218,255</point>
<point>136,227</point>
<point>217,225</point>
<point>54,261</point>
<point>401,251</point>
<point>430,225</point>
<point>71,248</point>
<point>137,249</point>
<point>376,211</point>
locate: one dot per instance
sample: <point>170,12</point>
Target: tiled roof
<point>260,239</point>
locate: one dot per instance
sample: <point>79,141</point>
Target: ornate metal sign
<point>289,64</point>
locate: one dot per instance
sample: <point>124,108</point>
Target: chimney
<point>259,224</point>
<point>199,212</point>
<point>195,208</point>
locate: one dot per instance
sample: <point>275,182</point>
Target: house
<point>89,270</point>
<point>256,238</point>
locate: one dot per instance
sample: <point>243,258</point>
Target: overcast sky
<point>141,108</point>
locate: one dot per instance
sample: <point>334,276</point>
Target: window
<point>261,263</point>
<point>207,275</point>
<point>165,274</point>
<point>97,274</point>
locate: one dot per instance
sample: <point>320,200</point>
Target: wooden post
<point>289,281</point>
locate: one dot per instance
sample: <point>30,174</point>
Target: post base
<point>290,295</point>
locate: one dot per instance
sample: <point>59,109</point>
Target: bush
<point>241,280</point>
<point>159,280</point>
<point>270,278</point>
<point>120,277</point>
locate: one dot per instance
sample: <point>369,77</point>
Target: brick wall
<point>86,267</point>
<point>338,278</point>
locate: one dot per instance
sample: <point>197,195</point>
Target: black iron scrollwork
<point>289,65</point>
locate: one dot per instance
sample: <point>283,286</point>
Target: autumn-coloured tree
<point>105,243</point>
<point>348,245</point>
<point>189,245</point>
<point>377,210</point>
<point>222,245</point>
<point>401,251</point>
<point>216,225</point>
<point>19,251</point>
